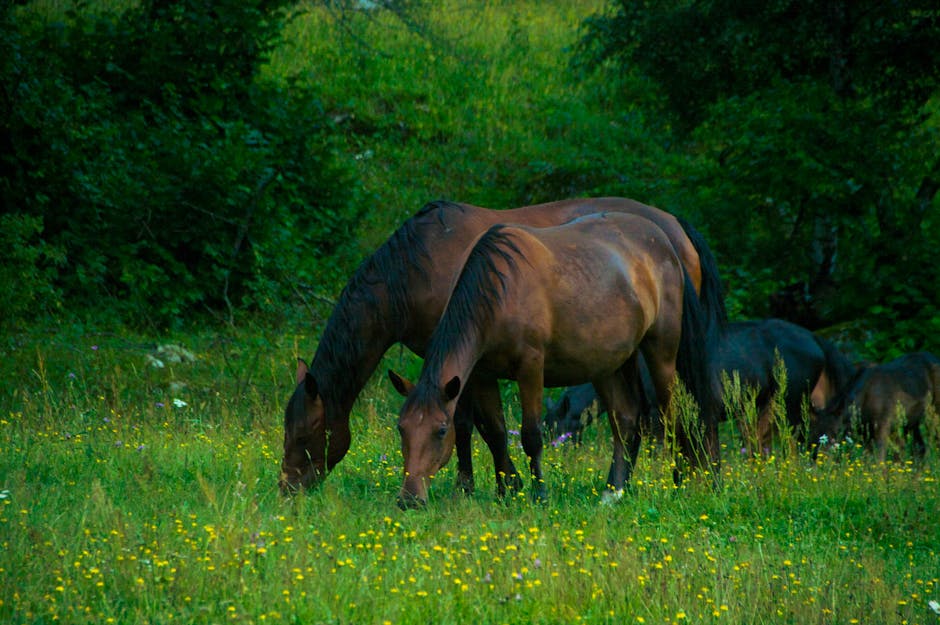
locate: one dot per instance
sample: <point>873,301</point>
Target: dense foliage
<point>143,163</point>
<point>176,158</point>
<point>810,131</point>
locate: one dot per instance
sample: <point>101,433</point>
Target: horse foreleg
<point>491,422</point>
<point>881,432</point>
<point>463,431</point>
<point>530,396</point>
<point>765,428</point>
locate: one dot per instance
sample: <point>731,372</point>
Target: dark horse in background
<point>879,395</point>
<point>815,368</point>
<point>557,306</point>
<point>398,294</point>
<point>566,417</point>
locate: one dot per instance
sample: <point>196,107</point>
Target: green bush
<point>26,267</point>
<point>171,176</point>
<point>805,137</point>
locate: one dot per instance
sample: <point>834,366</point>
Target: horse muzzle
<point>413,493</point>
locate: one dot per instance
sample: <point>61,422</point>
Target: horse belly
<point>579,362</point>
<point>590,341</point>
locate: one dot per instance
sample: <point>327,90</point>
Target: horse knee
<point>532,442</point>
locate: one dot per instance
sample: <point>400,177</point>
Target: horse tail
<point>711,292</point>
<point>697,347</point>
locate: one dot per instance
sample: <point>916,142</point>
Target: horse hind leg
<point>621,394</point>
<point>881,432</point>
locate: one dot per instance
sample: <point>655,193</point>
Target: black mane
<point>477,293</point>
<point>336,365</point>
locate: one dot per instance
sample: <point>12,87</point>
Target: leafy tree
<point>152,155</point>
<point>811,135</point>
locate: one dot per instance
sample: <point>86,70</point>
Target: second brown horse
<point>559,306</point>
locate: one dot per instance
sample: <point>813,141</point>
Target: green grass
<point>119,505</point>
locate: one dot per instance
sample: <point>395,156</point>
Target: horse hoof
<point>611,496</point>
<point>465,485</point>
<point>411,502</point>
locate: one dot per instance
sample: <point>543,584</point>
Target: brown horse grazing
<point>909,384</point>
<point>554,307</point>
<point>398,294</point>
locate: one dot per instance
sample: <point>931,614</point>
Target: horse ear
<point>310,385</point>
<point>403,386</point>
<point>452,389</point>
<point>301,370</point>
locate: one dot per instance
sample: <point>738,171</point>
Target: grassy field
<point>131,493</point>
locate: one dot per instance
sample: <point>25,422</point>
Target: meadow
<point>138,485</point>
<point>135,493</point>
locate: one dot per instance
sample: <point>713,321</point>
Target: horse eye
<point>441,432</point>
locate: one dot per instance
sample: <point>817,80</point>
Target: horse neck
<point>349,352</point>
<point>457,358</point>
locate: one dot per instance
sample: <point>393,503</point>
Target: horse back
<point>595,256</point>
<point>751,348</point>
<point>562,211</point>
<point>601,280</point>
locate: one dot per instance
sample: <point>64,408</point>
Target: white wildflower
<point>179,403</point>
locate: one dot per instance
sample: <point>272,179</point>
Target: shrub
<point>172,178</point>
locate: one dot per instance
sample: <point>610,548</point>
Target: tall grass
<point>131,493</point>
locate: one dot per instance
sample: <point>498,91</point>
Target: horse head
<point>427,436</point>
<point>826,427</point>
<point>311,446</point>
